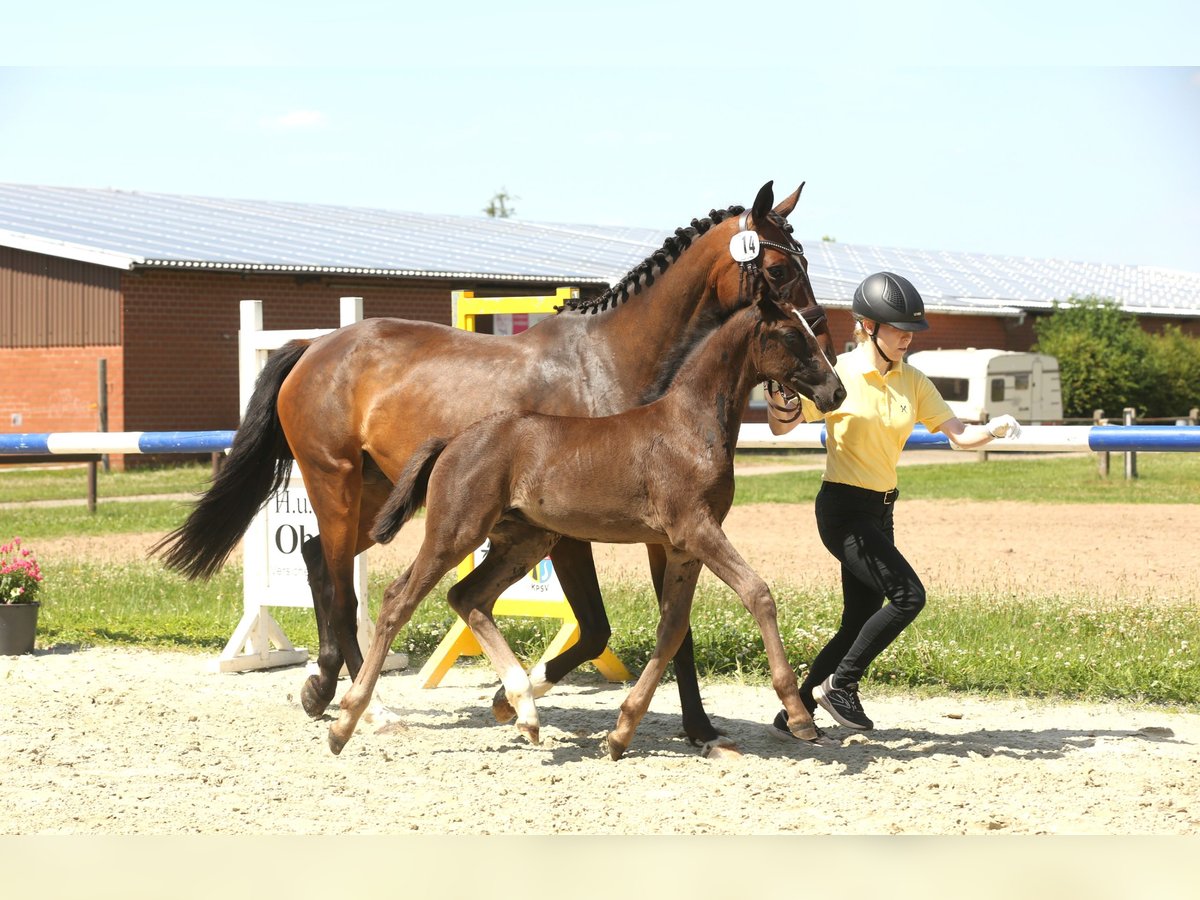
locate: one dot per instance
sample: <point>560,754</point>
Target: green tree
<point>1175,363</point>
<point>498,207</point>
<point>1103,355</point>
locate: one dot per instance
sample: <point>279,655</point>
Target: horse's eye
<point>777,273</point>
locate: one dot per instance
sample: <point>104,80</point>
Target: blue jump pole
<point>75,443</point>
<point>1034,438</point>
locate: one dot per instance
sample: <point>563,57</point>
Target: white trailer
<point>982,384</point>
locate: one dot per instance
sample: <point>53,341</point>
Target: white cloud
<point>298,118</point>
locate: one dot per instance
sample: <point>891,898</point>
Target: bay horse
<point>350,407</point>
<point>660,474</point>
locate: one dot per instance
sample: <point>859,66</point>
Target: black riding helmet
<point>891,299</point>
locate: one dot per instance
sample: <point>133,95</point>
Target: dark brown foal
<point>660,474</point>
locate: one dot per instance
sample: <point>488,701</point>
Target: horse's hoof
<point>615,748</point>
<point>312,700</point>
<point>532,732</point>
<point>501,708</point>
<point>702,734</point>
<point>721,748</point>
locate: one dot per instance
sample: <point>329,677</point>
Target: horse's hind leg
<point>318,690</point>
<point>336,499</point>
<point>679,587</point>
<point>696,724</point>
<point>515,549</point>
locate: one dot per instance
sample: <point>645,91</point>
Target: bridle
<point>746,247</point>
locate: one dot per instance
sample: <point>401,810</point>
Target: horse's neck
<point>645,338</point>
<point>715,381</point>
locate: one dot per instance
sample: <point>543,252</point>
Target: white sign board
<point>539,583</point>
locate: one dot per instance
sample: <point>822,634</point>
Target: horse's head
<point>785,349</point>
<point>764,260</point>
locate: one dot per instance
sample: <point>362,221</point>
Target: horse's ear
<point>786,205</point>
<point>762,204</point>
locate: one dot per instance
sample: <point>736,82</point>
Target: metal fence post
<point>1130,455</point>
<point>1102,456</point>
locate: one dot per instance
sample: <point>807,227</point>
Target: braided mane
<point>644,273</point>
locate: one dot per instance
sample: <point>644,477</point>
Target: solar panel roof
<point>129,229</point>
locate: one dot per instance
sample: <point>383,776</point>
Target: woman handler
<point>864,436</point>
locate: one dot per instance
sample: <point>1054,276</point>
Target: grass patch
<point>1025,645</point>
<point>32,523</point>
<point>1162,478</point>
<point>1016,645</point>
<point>70,482</point>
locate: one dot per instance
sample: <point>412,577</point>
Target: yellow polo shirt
<point>864,436</point>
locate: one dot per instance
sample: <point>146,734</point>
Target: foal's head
<point>785,349</point>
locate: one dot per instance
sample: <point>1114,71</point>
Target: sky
<point>1041,129</point>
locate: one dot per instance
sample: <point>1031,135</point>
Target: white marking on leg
<point>537,678</point>
<point>520,695</point>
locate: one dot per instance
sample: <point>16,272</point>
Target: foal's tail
<point>409,493</point>
<point>258,465</point>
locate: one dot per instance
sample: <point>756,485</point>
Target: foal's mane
<point>643,274</point>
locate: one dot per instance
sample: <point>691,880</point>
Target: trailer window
<point>997,389</point>
<point>951,388</point>
<point>1021,382</point>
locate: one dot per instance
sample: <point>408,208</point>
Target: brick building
<point>151,284</point>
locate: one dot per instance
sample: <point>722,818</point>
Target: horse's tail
<point>409,493</point>
<point>258,465</point>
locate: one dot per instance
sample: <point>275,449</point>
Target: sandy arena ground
<point>120,742</point>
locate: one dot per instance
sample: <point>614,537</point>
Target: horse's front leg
<point>576,571</point>
<point>696,724</point>
<point>675,607</point>
<point>707,541</point>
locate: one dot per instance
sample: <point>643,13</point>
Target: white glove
<point>1004,427</point>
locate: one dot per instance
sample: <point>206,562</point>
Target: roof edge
<point>67,250</point>
<point>269,268</point>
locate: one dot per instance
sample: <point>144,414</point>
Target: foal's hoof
<point>721,748</point>
<point>311,698</point>
<point>614,747</point>
<point>501,708</point>
<point>532,732</point>
<point>336,743</point>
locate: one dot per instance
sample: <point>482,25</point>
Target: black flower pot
<point>18,627</point>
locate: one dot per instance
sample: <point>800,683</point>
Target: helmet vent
<point>893,296</point>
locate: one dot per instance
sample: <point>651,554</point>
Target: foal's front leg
<point>675,607</point>
<point>708,542</point>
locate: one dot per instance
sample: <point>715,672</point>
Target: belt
<point>885,497</point>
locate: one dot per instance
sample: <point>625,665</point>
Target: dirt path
<point>111,741</point>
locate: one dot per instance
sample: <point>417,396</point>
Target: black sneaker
<point>780,730</point>
<point>842,703</point>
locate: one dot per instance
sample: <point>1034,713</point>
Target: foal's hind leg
<point>679,587</point>
<point>515,549</point>
<point>576,571</point>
